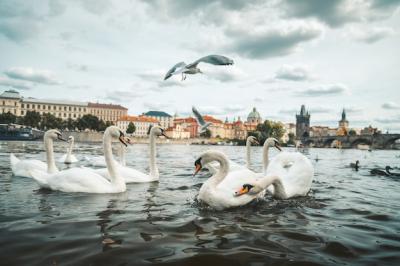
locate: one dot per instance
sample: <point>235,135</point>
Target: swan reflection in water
<point>115,206</point>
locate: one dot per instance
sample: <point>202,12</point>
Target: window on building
<point>74,108</point>
<point>22,112</point>
<point>69,108</point>
<point>22,105</point>
<point>65,115</point>
<point>65,108</point>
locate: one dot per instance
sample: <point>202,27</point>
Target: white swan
<point>69,158</point>
<point>100,161</point>
<point>233,166</point>
<point>289,173</point>
<point>219,190</point>
<point>134,176</point>
<point>86,179</point>
<point>269,142</point>
<point>22,167</point>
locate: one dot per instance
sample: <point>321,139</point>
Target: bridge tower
<point>302,123</point>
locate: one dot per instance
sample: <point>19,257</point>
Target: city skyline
<point>328,59</point>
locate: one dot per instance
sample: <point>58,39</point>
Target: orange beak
<point>122,140</point>
<point>197,169</point>
<point>242,191</point>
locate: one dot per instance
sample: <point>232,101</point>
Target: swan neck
<point>265,157</point>
<point>153,163</point>
<point>222,171</point>
<point>115,178</point>
<point>279,190</point>
<point>121,155</point>
<point>51,164</point>
<point>248,150</point>
<point>70,148</point>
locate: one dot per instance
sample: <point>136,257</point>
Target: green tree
<point>69,124</point>
<point>50,121</point>
<point>7,118</point>
<point>32,119</point>
<point>291,139</point>
<point>352,132</point>
<point>269,129</point>
<point>131,128</point>
<point>90,122</point>
<point>206,134</point>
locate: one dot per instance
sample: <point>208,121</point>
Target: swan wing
<point>75,180</point>
<point>22,167</point>
<point>130,175</point>
<point>295,171</point>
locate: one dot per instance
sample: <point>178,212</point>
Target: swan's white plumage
<point>22,167</point>
<point>71,159</point>
<point>219,190</point>
<point>295,172</point>
<point>75,180</point>
<point>86,179</point>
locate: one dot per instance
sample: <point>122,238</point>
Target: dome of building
<point>254,116</point>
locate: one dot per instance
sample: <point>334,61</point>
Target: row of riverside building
<point>187,127</point>
<point>11,101</point>
<point>175,127</point>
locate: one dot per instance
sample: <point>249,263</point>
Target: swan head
<point>54,134</point>
<point>253,140</point>
<point>206,158</point>
<point>116,133</point>
<point>158,131</point>
<point>251,189</point>
<point>388,168</point>
<point>272,142</point>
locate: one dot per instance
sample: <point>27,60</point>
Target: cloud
<point>156,106</point>
<point>336,13</point>
<point>258,99</point>
<point>354,110</point>
<point>271,42</point>
<point>391,120</point>
<point>96,7</point>
<point>294,73</point>
<point>223,73</point>
<point>16,84</point>
<point>123,95</point>
<point>391,106</point>
<point>78,67</point>
<point>325,90</point>
<point>30,74</point>
<point>371,34</point>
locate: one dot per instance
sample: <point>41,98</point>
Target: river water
<point>348,218</point>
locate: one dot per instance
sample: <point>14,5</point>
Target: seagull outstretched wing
<point>173,69</point>
<point>198,116</point>
<point>212,59</point>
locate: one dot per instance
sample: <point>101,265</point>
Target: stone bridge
<point>377,141</point>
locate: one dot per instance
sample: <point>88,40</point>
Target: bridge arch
<point>360,140</point>
<point>391,142</point>
<point>328,142</point>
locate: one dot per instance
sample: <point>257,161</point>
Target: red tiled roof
<point>138,119</point>
<point>211,119</point>
<point>106,106</point>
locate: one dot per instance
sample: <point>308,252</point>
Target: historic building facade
<point>11,101</point>
<point>165,119</point>
<point>142,124</point>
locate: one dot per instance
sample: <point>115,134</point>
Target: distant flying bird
<point>182,68</point>
<point>203,124</point>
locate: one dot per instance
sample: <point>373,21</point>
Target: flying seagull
<point>182,68</point>
<point>203,124</point>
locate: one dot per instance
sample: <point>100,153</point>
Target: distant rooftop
<point>49,101</point>
<point>105,105</point>
<point>11,94</point>
<point>138,119</point>
<point>157,114</point>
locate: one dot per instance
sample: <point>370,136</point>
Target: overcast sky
<point>327,55</point>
